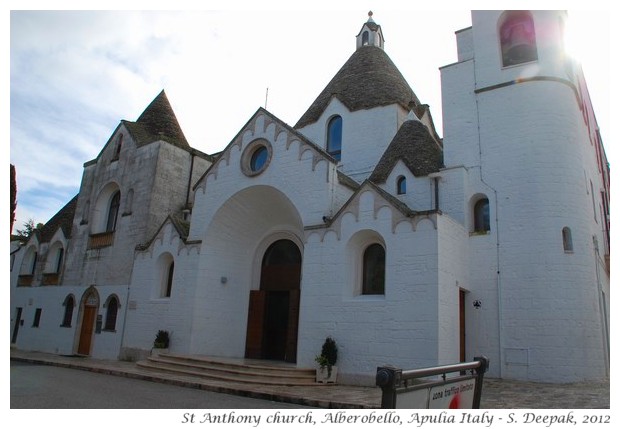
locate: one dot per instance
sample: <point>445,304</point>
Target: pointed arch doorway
<point>88,308</point>
<point>273,312</point>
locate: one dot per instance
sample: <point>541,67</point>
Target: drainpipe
<point>436,193</point>
<point>500,306</point>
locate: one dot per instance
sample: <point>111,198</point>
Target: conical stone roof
<point>414,145</point>
<point>368,79</point>
<point>158,122</point>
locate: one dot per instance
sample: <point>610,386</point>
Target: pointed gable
<point>157,122</point>
<point>292,134</point>
<point>414,145</point>
<point>63,220</point>
<point>368,79</point>
<point>179,225</point>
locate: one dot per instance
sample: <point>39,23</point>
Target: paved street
<point>51,387</point>
<point>26,381</point>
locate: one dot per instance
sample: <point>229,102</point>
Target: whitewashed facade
<point>358,223</point>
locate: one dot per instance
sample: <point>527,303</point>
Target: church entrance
<point>273,313</point>
<point>90,304</point>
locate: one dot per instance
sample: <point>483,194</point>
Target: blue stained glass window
<point>334,137</point>
<point>401,185</point>
<point>259,158</point>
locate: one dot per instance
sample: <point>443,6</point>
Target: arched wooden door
<point>273,313</point>
<point>90,304</point>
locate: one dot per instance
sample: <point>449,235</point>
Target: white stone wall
<point>420,195</point>
<point>453,262</point>
<point>533,160</point>
<point>149,310</point>
<point>366,134</point>
<point>50,336</point>
<point>460,121</point>
<point>399,328</point>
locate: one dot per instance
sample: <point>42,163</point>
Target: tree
<point>29,229</point>
<point>13,196</point>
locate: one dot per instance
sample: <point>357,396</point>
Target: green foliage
<point>330,351</point>
<point>162,340</point>
<point>329,354</point>
<point>29,229</point>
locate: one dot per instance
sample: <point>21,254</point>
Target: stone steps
<point>231,370</point>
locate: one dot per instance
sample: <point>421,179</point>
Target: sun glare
<point>584,29</point>
<point>574,40</point>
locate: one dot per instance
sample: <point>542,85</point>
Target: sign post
<point>432,387</point>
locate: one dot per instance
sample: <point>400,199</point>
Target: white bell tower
<point>370,34</point>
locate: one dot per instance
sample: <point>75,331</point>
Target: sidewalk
<point>496,394</point>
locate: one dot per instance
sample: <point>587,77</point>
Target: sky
<point>75,74</point>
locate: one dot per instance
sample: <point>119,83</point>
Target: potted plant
<point>327,371</point>
<point>161,343</point>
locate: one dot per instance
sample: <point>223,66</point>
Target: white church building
<point>359,222</point>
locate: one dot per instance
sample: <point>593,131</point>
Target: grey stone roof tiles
<point>157,122</point>
<point>368,79</point>
<point>63,220</point>
<point>413,145</point>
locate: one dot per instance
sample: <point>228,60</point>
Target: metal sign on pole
<point>433,387</point>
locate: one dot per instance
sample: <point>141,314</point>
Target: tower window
<point>34,264</point>
<point>118,147</point>
<point>59,259</point>
<point>169,279</point>
<point>373,274</point>
<point>482,222</point>
<point>517,38</point>
<point>401,185</point>
<point>334,137</point>
<point>68,316</point>
<point>110,314</point>
<point>37,318</point>
<point>567,239</point>
<point>113,212</point>
<point>365,38</point>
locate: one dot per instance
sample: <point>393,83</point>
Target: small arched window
<point>68,315</point>
<point>59,259</point>
<point>334,137</point>
<point>401,185</point>
<point>118,147</point>
<point>111,313</point>
<point>567,239</point>
<point>517,38</point>
<point>365,38</point>
<point>115,203</point>
<point>33,267</point>
<point>169,277</point>
<point>373,270</point>
<point>128,203</point>
<point>482,222</point>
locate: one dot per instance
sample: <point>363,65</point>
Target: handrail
<point>394,380</point>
